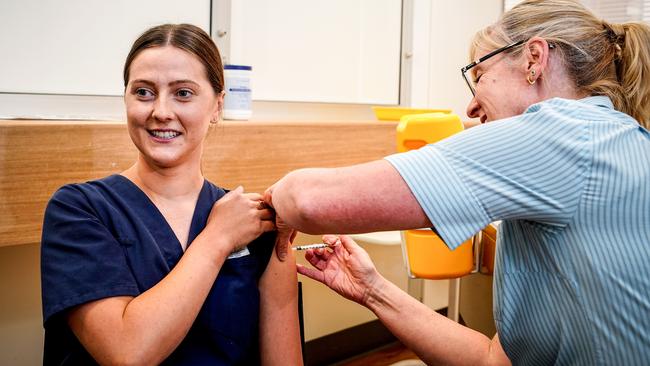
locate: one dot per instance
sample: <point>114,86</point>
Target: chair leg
<point>453,308</point>
<point>416,288</point>
<point>301,322</point>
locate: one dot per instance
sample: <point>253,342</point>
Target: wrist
<point>214,247</point>
<point>375,290</point>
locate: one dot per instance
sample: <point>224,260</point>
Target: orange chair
<point>417,130</point>
<point>488,248</point>
<point>426,256</point>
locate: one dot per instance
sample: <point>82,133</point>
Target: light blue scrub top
<point>571,181</point>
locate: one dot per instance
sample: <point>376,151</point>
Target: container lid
<point>237,67</point>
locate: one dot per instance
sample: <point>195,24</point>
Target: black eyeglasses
<point>464,70</point>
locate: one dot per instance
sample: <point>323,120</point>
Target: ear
<point>536,53</point>
<point>218,107</point>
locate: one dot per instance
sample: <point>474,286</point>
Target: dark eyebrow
<point>182,81</point>
<point>185,81</point>
<point>143,81</point>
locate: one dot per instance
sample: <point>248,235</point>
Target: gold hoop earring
<point>530,79</point>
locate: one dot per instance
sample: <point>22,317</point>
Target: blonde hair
<point>602,58</point>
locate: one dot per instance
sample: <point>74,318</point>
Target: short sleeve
<point>454,211</point>
<point>263,247</point>
<point>81,260</point>
<point>530,167</point>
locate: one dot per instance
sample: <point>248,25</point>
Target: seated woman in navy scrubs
<point>156,264</point>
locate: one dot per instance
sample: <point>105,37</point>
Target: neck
<point>558,84</point>
<point>563,89</point>
<point>166,183</point>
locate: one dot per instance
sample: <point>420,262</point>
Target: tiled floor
<point>384,356</point>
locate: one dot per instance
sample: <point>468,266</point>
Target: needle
<point>310,246</point>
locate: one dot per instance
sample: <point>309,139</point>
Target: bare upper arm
<point>359,198</point>
<point>279,324</point>
<point>279,282</point>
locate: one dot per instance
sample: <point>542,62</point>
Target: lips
<point>164,134</point>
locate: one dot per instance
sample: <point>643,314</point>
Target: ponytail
<point>633,70</point>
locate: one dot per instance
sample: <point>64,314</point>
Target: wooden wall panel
<point>37,157</point>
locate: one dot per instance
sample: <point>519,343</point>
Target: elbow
<point>295,201</point>
<point>305,218</point>
<point>126,361</point>
<point>131,357</point>
<point>137,360</point>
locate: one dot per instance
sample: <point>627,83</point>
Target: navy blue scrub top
<point>106,238</point>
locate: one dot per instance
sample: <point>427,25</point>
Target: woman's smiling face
<point>169,105</point>
<point>501,88</point>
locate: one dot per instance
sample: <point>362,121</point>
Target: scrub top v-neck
<point>106,238</point>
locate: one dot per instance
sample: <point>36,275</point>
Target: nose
<point>473,108</point>
<point>162,110</point>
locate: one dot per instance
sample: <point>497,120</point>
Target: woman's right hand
<point>346,269</point>
<point>239,218</point>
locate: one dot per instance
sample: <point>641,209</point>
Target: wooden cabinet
<point>37,157</point>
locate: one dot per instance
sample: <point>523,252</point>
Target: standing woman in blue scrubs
<point>563,161</point>
<point>156,264</point>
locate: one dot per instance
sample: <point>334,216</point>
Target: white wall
<point>442,34</point>
<point>336,51</point>
<point>79,46</point>
<point>342,51</point>
<point>48,53</point>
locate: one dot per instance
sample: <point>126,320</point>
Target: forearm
<point>162,316</point>
<point>434,338</point>
<point>150,326</point>
<point>348,270</point>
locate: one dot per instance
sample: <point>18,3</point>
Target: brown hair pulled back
<point>187,37</point>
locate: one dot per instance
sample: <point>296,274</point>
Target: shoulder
<point>214,192</point>
<point>99,200</point>
<point>586,110</point>
<point>552,122</point>
<point>83,192</point>
<point>583,123</point>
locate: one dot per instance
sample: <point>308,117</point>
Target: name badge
<point>240,253</point>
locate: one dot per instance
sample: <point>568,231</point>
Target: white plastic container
<point>238,99</point>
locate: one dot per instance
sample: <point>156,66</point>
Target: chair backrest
<point>417,130</point>
<point>425,254</point>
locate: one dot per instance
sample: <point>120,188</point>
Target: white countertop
<point>379,238</point>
